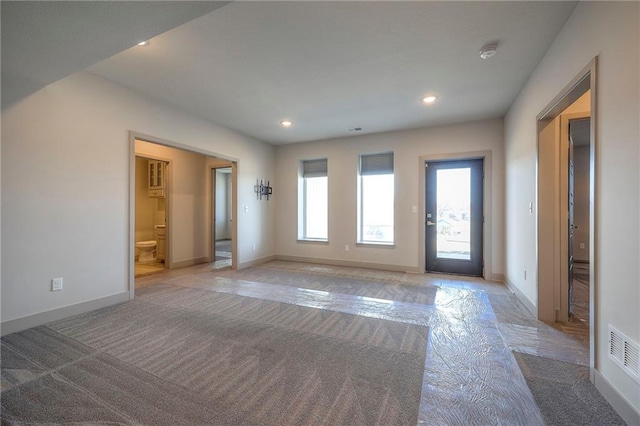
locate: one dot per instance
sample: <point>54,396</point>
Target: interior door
<point>454,217</point>
<point>571,227</point>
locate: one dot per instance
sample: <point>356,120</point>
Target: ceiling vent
<point>624,352</point>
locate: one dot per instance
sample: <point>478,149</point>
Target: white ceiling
<point>331,66</point>
<point>327,66</point>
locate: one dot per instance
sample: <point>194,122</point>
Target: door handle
<point>429,223</point>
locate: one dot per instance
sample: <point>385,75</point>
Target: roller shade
<point>314,168</point>
<point>376,164</point>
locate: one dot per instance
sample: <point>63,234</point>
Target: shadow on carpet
<point>564,393</point>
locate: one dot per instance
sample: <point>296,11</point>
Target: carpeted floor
<point>564,393</point>
<point>178,355</point>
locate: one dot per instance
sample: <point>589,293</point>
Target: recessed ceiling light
<point>144,43</point>
<point>286,123</point>
<point>429,99</point>
<point>488,51</point>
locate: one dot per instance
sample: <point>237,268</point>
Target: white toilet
<point>146,249</point>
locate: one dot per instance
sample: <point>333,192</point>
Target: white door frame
<point>487,206</point>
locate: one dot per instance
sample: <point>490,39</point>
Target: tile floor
<point>580,302</point>
<point>141,269</point>
<point>223,254</point>
<point>470,376</point>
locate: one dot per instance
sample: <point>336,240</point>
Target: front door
<point>454,217</point>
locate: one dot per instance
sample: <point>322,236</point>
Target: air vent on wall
<point>624,352</point>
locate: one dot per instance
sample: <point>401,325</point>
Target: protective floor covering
<point>564,393</point>
<point>240,363</point>
<point>159,358</point>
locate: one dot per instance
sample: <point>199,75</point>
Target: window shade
<point>314,168</point>
<point>376,164</point>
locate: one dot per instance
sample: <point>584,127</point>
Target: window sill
<point>375,245</point>
<point>312,241</point>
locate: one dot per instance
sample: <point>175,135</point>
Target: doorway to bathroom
<point>184,236</point>
<point>222,216</point>
<point>152,191</point>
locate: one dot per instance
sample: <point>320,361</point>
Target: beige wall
<point>608,30</point>
<point>408,146</point>
<point>65,189</point>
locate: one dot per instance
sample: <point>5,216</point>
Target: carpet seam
<point>48,371</point>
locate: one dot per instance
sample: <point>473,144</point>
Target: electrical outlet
<point>525,274</point>
<point>56,284</point>
<point>346,247</point>
<point>253,247</point>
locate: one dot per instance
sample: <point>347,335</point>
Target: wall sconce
<point>263,190</point>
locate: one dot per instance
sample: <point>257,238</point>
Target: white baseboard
<point>497,278</point>
<point>524,299</point>
<point>29,321</point>
<point>189,262</point>
<point>351,263</point>
<point>617,401</point>
<point>256,262</point>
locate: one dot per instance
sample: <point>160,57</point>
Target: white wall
<point>408,146</point>
<point>65,184</point>
<point>610,31</point>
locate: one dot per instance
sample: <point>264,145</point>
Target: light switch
<point>414,209</point>
<point>530,207</point>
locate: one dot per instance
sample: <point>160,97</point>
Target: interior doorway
<point>152,190</point>
<point>185,180</point>
<point>454,217</point>
<point>566,245</point>
<point>579,126</point>
<point>222,217</point>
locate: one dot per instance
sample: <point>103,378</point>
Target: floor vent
<point>624,352</point>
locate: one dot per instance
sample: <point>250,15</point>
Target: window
<point>313,210</point>
<point>376,199</point>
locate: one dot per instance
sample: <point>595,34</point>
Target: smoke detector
<point>488,51</point>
